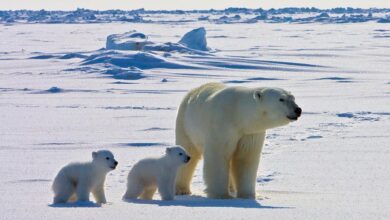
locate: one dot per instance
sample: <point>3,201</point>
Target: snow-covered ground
<point>63,96</point>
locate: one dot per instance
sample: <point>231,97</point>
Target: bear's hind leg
<point>232,182</point>
<point>73,198</point>
<point>148,193</point>
<point>134,189</point>
<point>63,191</point>
<point>185,173</point>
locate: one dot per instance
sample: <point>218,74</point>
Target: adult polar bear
<point>227,126</point>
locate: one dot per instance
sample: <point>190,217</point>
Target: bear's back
<point>74,171</point>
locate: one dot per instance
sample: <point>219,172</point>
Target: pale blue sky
<point>184,4</point>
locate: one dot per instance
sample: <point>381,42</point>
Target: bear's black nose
<point>116,163</point>
<point>188,158</point>
<point>298,111</point>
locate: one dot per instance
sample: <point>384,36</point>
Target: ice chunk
<point>54,89</point>
<point>195,39</point>
<point>171,47</point>
<point>132,40</point>
<point>384,20</point>
<point>129,73</point>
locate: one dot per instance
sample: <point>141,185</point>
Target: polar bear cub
<point>149,174</point>
<point>76,181</point>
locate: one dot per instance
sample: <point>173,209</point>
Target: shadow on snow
<point>199,201</point>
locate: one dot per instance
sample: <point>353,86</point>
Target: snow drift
<point>131,40</point>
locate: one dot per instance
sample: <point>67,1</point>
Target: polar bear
<point>75,181</point>
<point>149,174</point>
<point>227,125</point>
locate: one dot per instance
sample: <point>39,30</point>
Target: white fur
<point>227,126</point>
<point>77,180</point>
<point>149,174</point>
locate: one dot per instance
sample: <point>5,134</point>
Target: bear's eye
<point>282,100</point>
<point>107,158</point>
<point>180,154</point>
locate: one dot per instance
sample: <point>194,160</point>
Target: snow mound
<point>138,59</point>
<point>130,73</point>
<point>192,42</point>
<point>171,47</point>
<point>54,89</point>
<point>195,39</point>
<point>131,40</point>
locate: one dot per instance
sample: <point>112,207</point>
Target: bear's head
<point>177,155</point>
<point>275,107</point>
<point>104,159</point>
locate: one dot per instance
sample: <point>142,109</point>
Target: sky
<point>184,4</point>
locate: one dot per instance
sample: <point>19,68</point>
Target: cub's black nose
<point>188,158</point>
<point>298,111</point>
<point>116,163</point>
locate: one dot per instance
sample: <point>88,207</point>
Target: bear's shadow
<point>76,204</point>
<point>199,201</point>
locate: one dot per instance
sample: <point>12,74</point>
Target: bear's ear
<point>257,95</point>
<point>94,155</point>
<point>168,150</point>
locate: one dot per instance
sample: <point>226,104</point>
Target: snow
<point>128,41</point>
<point>62,97</point>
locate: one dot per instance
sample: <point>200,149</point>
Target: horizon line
<point>190,10</point>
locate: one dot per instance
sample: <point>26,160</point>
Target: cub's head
<point>178,154</point>
<point>276,107</point>
<point>104,159</point>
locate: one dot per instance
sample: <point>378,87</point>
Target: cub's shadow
<point>199,201</point>
<point>77,204</point>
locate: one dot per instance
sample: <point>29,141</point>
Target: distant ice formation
<point>192,42</point>
<point>195,39</point>
<point>131,40</point>
<point>226,16</point>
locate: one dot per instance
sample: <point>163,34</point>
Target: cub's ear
<point>94,155</point>
<point>257,95</point>
<point>168,150</point>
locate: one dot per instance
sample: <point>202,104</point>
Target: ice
<point>131,40</point>
<point>62,97</point>
<point>130,73</point>
<point>195,39</point>
<point>226,16</point>
<point>384,20</point>
<point>127,55</point>
<point>54,89</point>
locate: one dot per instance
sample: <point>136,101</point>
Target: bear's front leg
<point>245,163</point>
<point>216,170</point>
<point>99,194</point>
<point>82,191</point>
<point>166,187</point>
